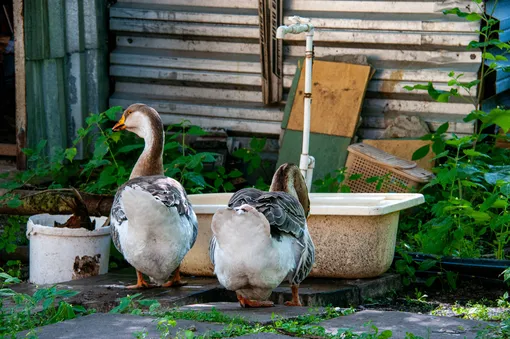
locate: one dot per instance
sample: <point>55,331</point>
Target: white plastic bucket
<point>64,254</point>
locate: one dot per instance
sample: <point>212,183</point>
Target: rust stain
<point>86,266</point>
<point>395,77</point>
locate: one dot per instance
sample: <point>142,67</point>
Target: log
<point>58,201</point>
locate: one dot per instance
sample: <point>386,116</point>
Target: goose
<point>153,224</point>
<point>262,238</point>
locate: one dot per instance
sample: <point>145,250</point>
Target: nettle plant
<point>336,181</point>
<point>110,157</point>
<point>113,155</point>
<point>467,202</point>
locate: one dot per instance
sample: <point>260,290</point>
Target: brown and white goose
<point>153,223</point>
<point>262,238</point>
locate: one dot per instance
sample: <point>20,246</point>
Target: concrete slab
<point>255,315</point>
<point>339,292</point>
<point>103,292</point>
<point>113,326</point>
<point>426,326</point>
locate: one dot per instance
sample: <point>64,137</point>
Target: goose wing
<point>282,210</point>
<point>285,215</point>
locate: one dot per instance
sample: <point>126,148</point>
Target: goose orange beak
<point>119,126</point>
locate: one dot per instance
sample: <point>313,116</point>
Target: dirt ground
<point>441,300</point>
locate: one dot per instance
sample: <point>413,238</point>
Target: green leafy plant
<point>302,326</point>
<point>467,202</point>
<point>13,268</point>
<point>335,182</point>
<point>252,160</point>
<point>12,234</point>
<point>20,312</point>
<point>186,165</point>
<point>133,304</point>
<point>251,156</point>
<point>468,199</point>
<point>164,326</point>
<point>222,181</point>
<point>407,267</point>
<point>497,331</point>
<point>212,316</point>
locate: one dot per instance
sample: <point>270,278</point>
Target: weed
<point>498,331</point>
<point>335,182</point>
<point>114,155</point>
<point>419,297</point>
<point>20,312</point>
<point>133,304</point>
<point>212,316</point>
<point>110,163</point>
<point>503,301</point>
<point>12,234</point>
<point>164,326</point>
<point>141,334</point>
<point>303,326</point>
<point>13,268</point>
<point>222,179</point>
<point>466,212</point>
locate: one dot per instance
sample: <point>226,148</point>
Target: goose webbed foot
<point>245,302</point>
<point>176,280</point>
<point>295,297</point>
<point>141,283</point>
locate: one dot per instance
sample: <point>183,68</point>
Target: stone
<point>113,326</point>
<point>405,126</point>
<point>103,292</point>
<point>263,315</point>
<point>426,326</point>
<point>373,288</point>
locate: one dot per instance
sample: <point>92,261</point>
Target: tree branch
<point>58,201</point>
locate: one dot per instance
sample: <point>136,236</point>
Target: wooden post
<point>21,105</point>
<point>271,50</point>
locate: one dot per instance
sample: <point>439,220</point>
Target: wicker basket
<point>394,175</point>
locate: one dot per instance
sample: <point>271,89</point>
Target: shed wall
<point>199,60</point>
<point>66,58</point>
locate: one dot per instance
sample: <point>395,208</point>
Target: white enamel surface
<point>327,203</point>
<point>53,250</point>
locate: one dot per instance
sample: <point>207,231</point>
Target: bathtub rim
<point>347,204</point>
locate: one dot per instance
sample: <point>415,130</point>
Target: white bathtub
<point>354,233</point>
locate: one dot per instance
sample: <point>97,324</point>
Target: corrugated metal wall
<point>199,60</point>
<point>192,62</point>
<point>66,66</point>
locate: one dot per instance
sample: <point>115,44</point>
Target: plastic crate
<point>390,174</point>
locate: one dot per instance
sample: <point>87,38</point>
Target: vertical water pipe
<point>300,25</point>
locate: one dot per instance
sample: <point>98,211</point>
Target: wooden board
<point>271,50</point>
<point>338,90</point>
<point>404,149</point>
<point>330,152</point>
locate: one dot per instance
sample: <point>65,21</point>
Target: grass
<point>305,326</point>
